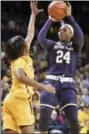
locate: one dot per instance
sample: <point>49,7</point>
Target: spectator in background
<point>4,89</point>
<point>79,99</point>
<point>36,108</point>
<point>3,65</point>
<point>11,25</point>
<point>7,76</point>
<point>62,119</point>
<point>2,55</point>
<point>35,98</point>
<point>54,117</point>
<point>85,129</point>
<point>83,115</point>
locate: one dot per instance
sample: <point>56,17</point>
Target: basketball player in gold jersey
<point>17,113</point>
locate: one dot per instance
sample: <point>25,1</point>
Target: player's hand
<point>54,20</point>
<point>49,88</point>
<point>69,9</point>
<point>34,8</point>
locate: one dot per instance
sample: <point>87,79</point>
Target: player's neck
<point>25,52</point>
<point>65,42</point>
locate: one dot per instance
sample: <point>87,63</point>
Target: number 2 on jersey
<point>63,57</point>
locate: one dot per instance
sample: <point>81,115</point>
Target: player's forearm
<point>78,34</point>
<point>77,29</point>
<point>43,32</point>
<point>31,29</point>
<point>30,82</point>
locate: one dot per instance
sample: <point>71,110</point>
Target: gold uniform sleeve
<point>20,63</point>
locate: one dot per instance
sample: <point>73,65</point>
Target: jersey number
<point>63,57</point>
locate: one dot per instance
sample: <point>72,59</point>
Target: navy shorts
<point>64,95</point>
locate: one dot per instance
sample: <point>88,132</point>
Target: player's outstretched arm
<point>31,27</point>
<point>46,43</point>
<point>78,34</point>
<point>20,74</point>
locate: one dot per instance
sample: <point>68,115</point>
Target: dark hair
<point>14,47</point>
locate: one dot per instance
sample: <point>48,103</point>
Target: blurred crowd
<point>18,26</point>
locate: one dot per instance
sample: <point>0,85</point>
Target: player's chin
<point>61,39</point>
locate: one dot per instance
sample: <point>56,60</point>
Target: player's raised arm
<point>31,27</point>
<point>78,34</point>
<point>42,35</point>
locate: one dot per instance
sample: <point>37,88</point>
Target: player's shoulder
<point>21,60</point>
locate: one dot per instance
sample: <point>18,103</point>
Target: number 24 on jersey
<point>63,57</point>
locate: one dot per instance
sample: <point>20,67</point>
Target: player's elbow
<point>21,78</point>
<point>40,38</point>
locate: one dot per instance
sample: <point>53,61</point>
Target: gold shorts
<point>16,112</point>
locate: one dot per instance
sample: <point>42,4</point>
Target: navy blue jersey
<point>62,56</point>
<point>62,59</point>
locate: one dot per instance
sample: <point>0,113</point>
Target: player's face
<point>65,34</point>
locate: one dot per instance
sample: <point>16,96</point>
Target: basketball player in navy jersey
<point>62,62</point>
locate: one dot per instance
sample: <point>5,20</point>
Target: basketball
<point>57,10</point>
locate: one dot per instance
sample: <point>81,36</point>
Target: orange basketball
<point>57,10</point>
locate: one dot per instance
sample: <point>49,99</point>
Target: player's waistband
<point>60,78</point>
